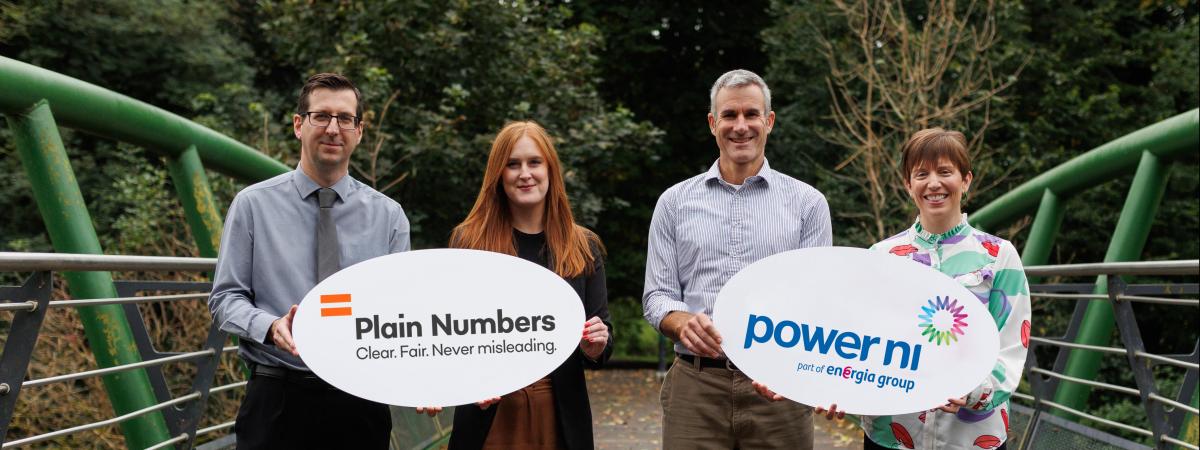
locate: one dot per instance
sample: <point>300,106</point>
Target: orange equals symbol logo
<point>335,310</point>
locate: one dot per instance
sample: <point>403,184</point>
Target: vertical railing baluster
<point>1143,369</point>
<point>1042,232</point>
<point>191,187</point>
<point>1182,421</point>
<point>18,346</point>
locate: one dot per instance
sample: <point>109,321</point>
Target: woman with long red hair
<point>522,210</point>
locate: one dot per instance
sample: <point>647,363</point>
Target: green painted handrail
<point>1167,139</point>
<point>94,110</point>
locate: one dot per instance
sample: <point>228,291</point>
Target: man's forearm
<point>237,315</point>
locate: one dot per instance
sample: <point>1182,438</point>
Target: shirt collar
<point>930,237</point>
<point>764,173</point>
<point>305,186</point>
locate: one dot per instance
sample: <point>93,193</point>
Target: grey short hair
<point>739,78</point>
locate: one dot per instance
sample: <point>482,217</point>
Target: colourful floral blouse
<point>991,269</point>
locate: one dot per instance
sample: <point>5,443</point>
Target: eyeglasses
<point>320,119</point>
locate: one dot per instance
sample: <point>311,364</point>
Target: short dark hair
<point>928,146</point>
<point>331,81</point>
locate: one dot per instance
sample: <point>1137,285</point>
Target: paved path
<point>627,415</point>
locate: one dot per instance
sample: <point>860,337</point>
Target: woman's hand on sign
<point>484,404</point>
<point>431,410</point>
<point>766,392</point>
<point>281,332</point>
<point>831,413</point>
<point>952,405</point>
<point>700,335</point>
<point>595,338</point>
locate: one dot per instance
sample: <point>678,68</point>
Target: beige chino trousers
<point>718,408</point>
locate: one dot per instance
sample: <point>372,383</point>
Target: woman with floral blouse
<point>937,173</point>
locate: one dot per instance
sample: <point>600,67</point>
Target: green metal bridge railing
<point>183,411</point>
<point>1165,412</point>
<point>36,101</point>
<point>1146,153</point>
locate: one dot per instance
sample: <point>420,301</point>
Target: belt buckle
<point>729,365</point>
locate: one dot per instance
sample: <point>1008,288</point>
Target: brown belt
<point>708,363</point>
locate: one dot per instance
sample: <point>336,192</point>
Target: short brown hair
<point>331,81</point>
<point>928,146</point>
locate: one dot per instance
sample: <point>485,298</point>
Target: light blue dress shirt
<point>268,256</point>
<point>704,230</point>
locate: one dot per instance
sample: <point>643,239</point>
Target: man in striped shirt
<point>705,229</point>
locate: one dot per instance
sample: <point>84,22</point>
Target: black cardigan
<point>574,412</point>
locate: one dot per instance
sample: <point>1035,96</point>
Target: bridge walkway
<point>626,413</point>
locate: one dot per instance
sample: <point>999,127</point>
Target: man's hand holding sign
<point>281,332</point>
<point>695,331</point>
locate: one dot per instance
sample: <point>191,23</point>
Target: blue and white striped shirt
<point>705,230</point>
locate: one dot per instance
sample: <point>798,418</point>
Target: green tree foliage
<point>438,79</point>
<point>1098,72</point>
<point>1091,72</point>
<point>889,69</point>
<point>161,52</point>
<point>661,58</point>
<point>441,78</point>
<point>165,53</point>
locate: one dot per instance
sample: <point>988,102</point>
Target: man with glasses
<point>283,236</point>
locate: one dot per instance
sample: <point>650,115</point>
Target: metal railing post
<point>1133,228</point>
<point>1037,386</point>
<point>206,372</point>
<point>1042,232</point>
<point>1188,430</point>
<point>22,335</point>
<point>1143,375</point>
<point>70,228</point>
<point>191,185</point>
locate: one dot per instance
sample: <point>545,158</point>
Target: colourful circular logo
<point>943,320</point>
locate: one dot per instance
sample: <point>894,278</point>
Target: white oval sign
<point>873,333</point>
<point>438,327</point>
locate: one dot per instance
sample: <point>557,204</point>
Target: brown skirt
<point>525,419</point>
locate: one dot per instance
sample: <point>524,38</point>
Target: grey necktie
<point>328,258</point>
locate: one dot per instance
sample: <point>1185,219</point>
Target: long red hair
<point>489,225</point>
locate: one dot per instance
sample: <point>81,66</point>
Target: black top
<point>531,247</point>
<point>574,412</point>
